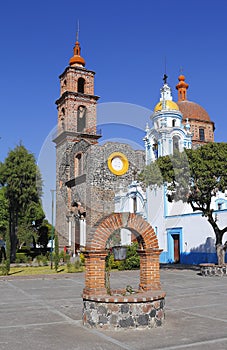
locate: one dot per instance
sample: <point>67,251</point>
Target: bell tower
<point>77,103</point>
<point>76,126</point>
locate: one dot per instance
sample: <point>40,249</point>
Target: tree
<point>21,179</point>
<point>4,213</point>
<point>195,177</point>
<point>43,237</point>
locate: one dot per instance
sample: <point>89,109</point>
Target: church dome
<point>189,109</point>
<point>192,110</point>
<point>169,105</point>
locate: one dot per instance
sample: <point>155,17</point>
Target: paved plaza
<point>45,313</point>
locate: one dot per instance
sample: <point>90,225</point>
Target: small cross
<point>165,78</point>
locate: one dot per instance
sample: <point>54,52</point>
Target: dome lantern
<point>77,60</point>
<point>166,100</point>
<point>182,88</point>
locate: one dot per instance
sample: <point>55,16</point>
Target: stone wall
<point>95,189</point>
<point>213,270</point>
<point>137,311</point>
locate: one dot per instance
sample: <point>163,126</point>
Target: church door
<point>174,243</point>
<point>176,248</point>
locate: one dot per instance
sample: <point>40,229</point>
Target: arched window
<point>155,148</point>
<point>81,118</point>
<point>173,123</point>
<point>80,87</point>
<point>176,143</point>
<point>78,166</point>
<point>134,204</point>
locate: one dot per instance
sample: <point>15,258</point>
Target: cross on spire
<point>165,78</point>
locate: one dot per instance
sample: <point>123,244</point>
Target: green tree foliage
<point>43,236</point>
<point>4,213</point>
<point>5,262</point>
<point>21,179</point>
<point>193,176</point>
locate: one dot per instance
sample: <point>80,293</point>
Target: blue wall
<point>192,258</point>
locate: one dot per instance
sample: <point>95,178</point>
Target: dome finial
<point>77,32</point>
<point>77,60</point>
<point>182,87</point>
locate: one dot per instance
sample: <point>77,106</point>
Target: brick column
<point>95,272</point>
<point>149,269</point>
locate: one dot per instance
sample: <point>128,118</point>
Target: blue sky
<point>125,42</point>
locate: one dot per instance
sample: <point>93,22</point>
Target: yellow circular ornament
<point>118,163</point>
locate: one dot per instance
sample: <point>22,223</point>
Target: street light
<point>52,227</point>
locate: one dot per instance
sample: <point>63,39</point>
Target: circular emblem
<point>118,163</point>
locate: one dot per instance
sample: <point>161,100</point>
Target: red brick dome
<point>192,110</point>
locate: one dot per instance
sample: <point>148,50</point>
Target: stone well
<point>119,309</point>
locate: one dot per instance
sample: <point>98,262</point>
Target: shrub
<point>44,260</point>
<point>3,270</point>
<point>82,259</point>
<point>132,258</point>
<point>74,267</point>
<point>131,262</point>
<point>21,258</point>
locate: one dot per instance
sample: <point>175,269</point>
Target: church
<point>185,236</point>
<point>88,174</point>
<point>94,180</point>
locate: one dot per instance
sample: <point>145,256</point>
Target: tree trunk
<point>221,254</point>
<point>220,248</point>
<point>13,235</point>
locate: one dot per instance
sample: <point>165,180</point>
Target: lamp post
<point>52,227</point>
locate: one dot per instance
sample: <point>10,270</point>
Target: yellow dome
<point>169,105</point>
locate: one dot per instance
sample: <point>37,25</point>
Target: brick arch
<point>136,224</point>
<point>96,252</point>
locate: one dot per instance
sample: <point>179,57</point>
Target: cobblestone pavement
<point>45,313</point>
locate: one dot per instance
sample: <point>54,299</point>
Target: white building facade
<point>185,236</point>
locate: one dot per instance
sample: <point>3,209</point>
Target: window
<point>78,170</point>
<point>81,118</point>
<point>155,148</point>
<point>175,143</point>
<point>173,122</point>
<point>134,204</point>
<point>201,134</point>
<point>219,206</point>
<point>80,87</point>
